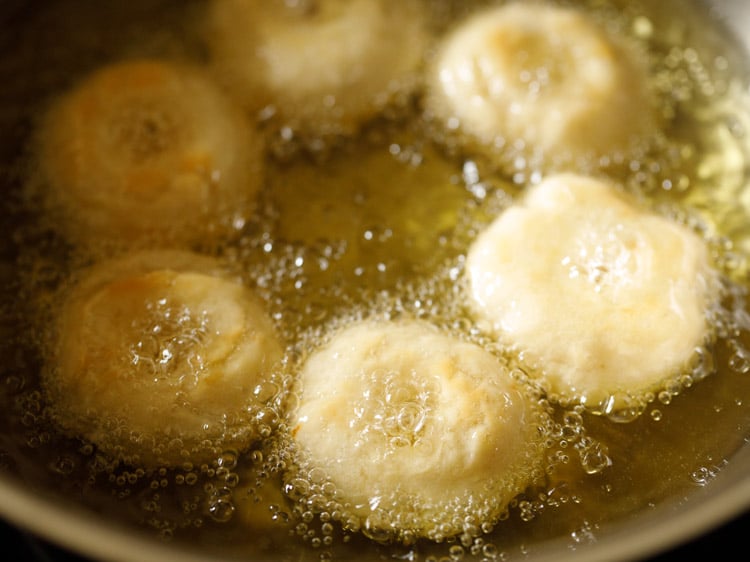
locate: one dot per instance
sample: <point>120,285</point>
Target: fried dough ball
<point>325,66</point>
<point>541,80</point>
<point>158,358</point>
<point>420,433</point>
<point>148,150</point>
<point>605,298</point>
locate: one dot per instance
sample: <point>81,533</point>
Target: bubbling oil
<point>378,225</point>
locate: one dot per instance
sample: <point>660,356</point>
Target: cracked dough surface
<point>415,427</point>
<point>545,76</point>
<point>604,297</point>
<point>145,150</point>
<point>158,352</point>
<point>326,66</point>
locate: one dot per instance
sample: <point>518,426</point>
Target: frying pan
<point>28,502</point>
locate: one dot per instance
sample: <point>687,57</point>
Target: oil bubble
<point>221,507</point>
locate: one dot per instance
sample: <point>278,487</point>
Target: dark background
<point>26,547</point>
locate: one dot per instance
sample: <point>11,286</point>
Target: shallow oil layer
<point>379,226</point>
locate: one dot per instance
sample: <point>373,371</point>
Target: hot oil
<point>379,226</point>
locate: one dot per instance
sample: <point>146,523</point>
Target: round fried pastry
<point>604,298</point>
<point>421,433</point>
<point>157,358</point>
